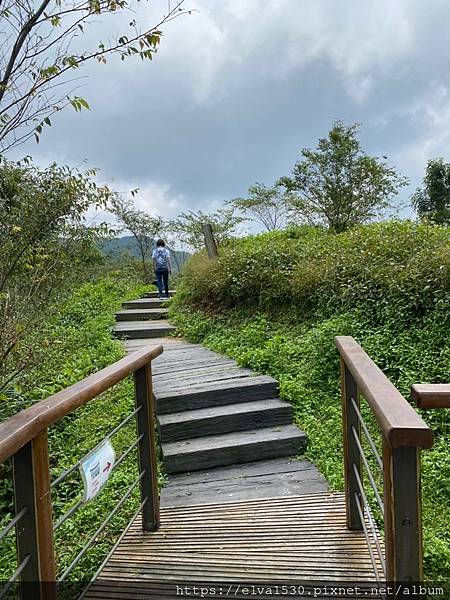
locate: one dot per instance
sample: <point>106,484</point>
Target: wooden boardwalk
<point>240,504</point>
<point>282,540</point>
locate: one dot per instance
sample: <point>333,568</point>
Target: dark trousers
<point>162,281</point>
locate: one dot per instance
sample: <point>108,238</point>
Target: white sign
<point>96,467</point>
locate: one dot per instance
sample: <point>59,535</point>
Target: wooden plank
<point>231,448</point>
<point>264,547</point>
<point>431,395</point>
<point>180,366</point>
<point>241,472</point>
<point>399,422</point>
<point>210,394</point>
<point>186,378</point>
<point>224,419</point>
<point>144,303</point>
<point>194,379</point>
<point>143,329</point>
<point>135,314</point>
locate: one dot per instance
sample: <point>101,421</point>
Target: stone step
<point>204,394</point>
<point>224,419</point>
<point>143,329</point>
<point>141,314</point>
<point>144,303</point>
<point>155,294</point>
<point>233,448</point>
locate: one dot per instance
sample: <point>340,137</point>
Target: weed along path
<point>241,504</point>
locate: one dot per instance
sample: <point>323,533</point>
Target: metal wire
<point>124,532</point>
<point>119,505</point>
<point>366,535</point>
<point>369,472</point>
<point>13,522</point>
<point>14,576</point>
<point>74,508</point>
<point>367,434</point>
<point>124,422</point>
<point>127,452</point>
<point>71,469</point>
<point>68,514</point>
<point>372,524</point>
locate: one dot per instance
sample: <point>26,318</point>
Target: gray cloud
<point>238,88</point>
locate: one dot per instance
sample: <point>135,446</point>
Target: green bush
<point>376,266</point>
<point>387,285</point>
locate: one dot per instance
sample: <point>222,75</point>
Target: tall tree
<point>266,205</point>
<point>338,184</point>
<point>40,55</point>
<point>142,226</point>
<point>432,200</point>
<point>46,249</point>
<point>188,226</point>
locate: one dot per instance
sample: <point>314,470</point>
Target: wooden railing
<point>403,434</point>
<point>431,395</point>
<point>23,437</point>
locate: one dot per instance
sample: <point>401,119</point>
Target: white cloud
<point>433,110</point>
<point>239,87</point>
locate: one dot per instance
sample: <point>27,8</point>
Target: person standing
<point>162,265</point>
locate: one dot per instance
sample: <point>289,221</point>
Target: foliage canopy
<point>432,201</point>
<point>46,249</point>
<point>267,205</point>
<point>338,184</point>
<point>44,48</point>
<point>188,226</point>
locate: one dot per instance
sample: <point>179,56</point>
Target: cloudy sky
<point>239,87</point>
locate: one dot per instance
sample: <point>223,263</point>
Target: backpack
<point>161,259</point>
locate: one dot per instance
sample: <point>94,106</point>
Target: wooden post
<point>349,391</point>
<point>402,518</point>
<point>210,242</point>
<point>147,448</point>
<point>34,532</point>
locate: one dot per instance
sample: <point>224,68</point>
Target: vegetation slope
<point>275,301</point>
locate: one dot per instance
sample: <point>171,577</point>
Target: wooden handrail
<point>431,395</point>
<point>404,433</point>
<point>398,421</point>
<point>24,426</point>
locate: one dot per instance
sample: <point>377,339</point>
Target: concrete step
<point>224,419</point>
<point>204,394</point>
<point>233,448</point>
<point>155,294</point>
<point>143,303</point>
<point>143,329</point>
<point>141,314</point>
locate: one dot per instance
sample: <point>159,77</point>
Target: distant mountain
<point>127,245</point>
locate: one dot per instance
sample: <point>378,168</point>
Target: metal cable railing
<point>368,470</point>
<point>92,539</point>
<point>366,535</point>
<point>13,523</point>
<point>75,466</point>
<point>24,438</point>
<point>79,504</point>
<point>362,494</point>
<point>14,577</point>
<point>367,434</point>
<point>403,434</point>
